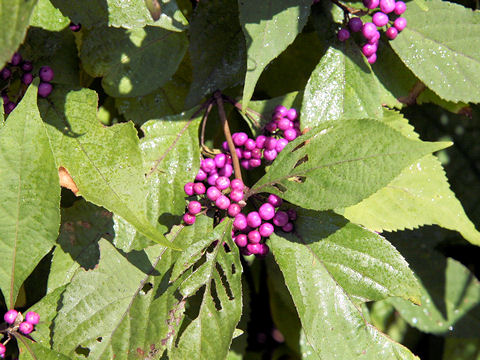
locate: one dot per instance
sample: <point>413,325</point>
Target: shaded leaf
<point>48,17</point>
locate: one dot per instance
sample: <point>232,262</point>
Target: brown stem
<point>348,10</point>
<point>240,107</point>
<point>204,123</point>
<point>228,135</point>
<point>411,98</point>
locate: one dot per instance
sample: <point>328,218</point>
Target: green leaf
<point>30,350</point>
<point>332,323</point>
<point>126,59</point>
<point>119,13</point>
<point>170,152</point>
<point>14,20</point>
<point>46,16</point>
<point>219,272</point>
<point>269,27</point>
<point>30,193</point>
<point>342,86</point>
<point>105,162</point>
<point>340,163</point>
<point>432,48</point>
<point>450,293</point>
<point>217,48</point>
<point>419,195</point>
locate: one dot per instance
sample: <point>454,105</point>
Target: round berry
<point>44,89</point>
<point>400,23</point>
<point>253,219</point>
<point>199,188</point>
<point>263,251</point>
<point>371,4</point>
<point>254,248</point>
<point>239,152</point>
<point>220,160</point>
<point>237,184</point>
<point>25,328</point>
<point>208,165</point>
<point>244,251</point>
<point>284,124</point>
<point>75,27</point>
<point>280,109</point>
<point>253,163</point>
<point>27,66</point>
<point>266,229</point>
<point>10,316</point>
<point>355,24</point>
<point>212,179</point>
<point>240,222</point>
<point>290,134</point>
<point>254,237</point>
<point>292,214</point>
<point>16,59</point>
<point>189,219</point>
<point>391,33</point>
<point>3,350</point>
<point>194,207</point>
<point>188,188</point>
<point>374,39</point>
<point>369,49</point>
<point>245,164</point>
<point>247,154</point>
<point>400,7</point>
<point>8,107</point>
<point>270,155</point>
<point>380,19</point>
<point>225,146</point>
<point>369,30</point>
<point>201,175</point>
<point>288,227</point>
<point>260,141</point>
<point>46,73</point>
<point>281,143</point>
<point>257,153</point>
<point>227,171</point>
<point>222,202</point>
<point>32,317</point>
<point>275,200</point>
<point>372,58</point>
<point>234,210</point>
<point>5,73</point>
<point>213,193</point>
<point>292,113</point>
<point>271,126</point>
<point>270,143</point>
<point>387,6</point>
<point>239,138</point>
<point>343,34</point>
<point>241,240</point>
<point>280,218</point>
<point>266,211</point>
<point>222,182</point>
<point>250,144</point>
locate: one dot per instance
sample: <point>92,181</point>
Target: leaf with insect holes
<point>341,162</point>
<point>31,350</point>
<point>30,195</point>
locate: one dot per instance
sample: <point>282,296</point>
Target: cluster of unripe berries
<point>380,19</point>
<point>24,325</point>
<point>20,70</point>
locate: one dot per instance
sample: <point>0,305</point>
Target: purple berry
<point>292,214</point>
<point>32,317</point>
<point>372,58</point>
<point>46,73</point>
<point>280,109</point>
<point>245,164</point>
<point>222,202</point>
<point>44,89</point>
<point>271,126</point>
<point>380,19</point>
<point>237,184</point>
<point>253,219</point>
<point>8,107</point>
<point>400,7</point>
<point>391,33</point>
<point>27,66</point>
<point>220,160</point>
<point>387,6</point>
<point>369,30</point>
<point>201,175</point>
<point>257,153</point>
<point>281,143</point>
<point>208,165</point>
<point>194,207</point>
<point>280,218</point>
<point>400,23</point>
<point>263,251</point>
<point>270,143</point>
<point>292,113</point>
<point>254,248</point>
<point>369,49</point>
<point>227,171</point>
<point>222,182</point>
<point>250,144</point>
<point>260,141</point>
<point>371,4</point>
<point>374,39</point>
<point>240,222</point>
<point>189,219</point>
<point>241,240</point>
<point>239,138</point>
<point>212,179</point>
<point>213,193</point>
<point>188,188</point>
<point>199,188</point>
<point>275,200</point>
<point>266,229</point>
<point>284,124</point>
<point>234,210</point>
<point>266,211</point>
<point>343,34</point>
<point>25,328</point>
<point>253,163</point>
<point>254,237</point>
<point>239,152</point>
<point>247,154</point>
<point>270,155</point>
<point>355,24</point>
<point>225,146</point>
<point>288,227</point>
<point>244,251</point>
<point>3,350</point>
<point>290,134</point>
<point>75,27</point>
<point>16,59</point>
<point>5,73</point>
<point>10,316</point>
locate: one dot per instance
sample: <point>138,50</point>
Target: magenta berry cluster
<point>20,71</point>
<point>25,325</point>
<point>74,27</point>
<point>388,18</point>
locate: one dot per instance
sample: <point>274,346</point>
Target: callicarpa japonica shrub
<point>206,179</point>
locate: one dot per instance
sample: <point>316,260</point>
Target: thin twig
<point>240,107</point>
<point>228,135</point>
<point>204,123</point>
<point>411,98</point>
<point>348,10</point>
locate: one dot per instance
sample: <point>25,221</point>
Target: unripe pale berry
<point>212,179</point>
<point>369,49</point>
<point>10,316</point>
<point>355,24</point>
<point>241,240</point>
<point>275,200</point>
<point>260,141</point>
<point>46,73</point>
<point>371,4</point>
<point>25,328</point>
<point>343,34</point>
<point>288,227</point>
<point>208,165</point>
<point>222,182</point>
<point>16,59</point>
<point>400,7</point>
<point>372,58</point>
<point>387,6</point>
<point>266,229</point>
<point>27,66</point>
<point>189,219</point>
<point>239,138</point>
<point>254,237</point>
<point>227,170</point>
<point>253,219</point>
<point>240,222</point>
<point>391,33</point>
<point>201,175</point>
<point>266,211</point>
<point>369,30</point>
<point>270,155</point>
<point>222,202</point>
<point>400,23</point>
<point>44,89</point>
<point>234,210</point>
<point>199,188</point>
<point>220,160</point>
<point>32,317</point>
<point>280,218</point>
<point>213,193</point>
<point>253,163</point>
<point>188,188</point>
<point>250,144</point>
<point>194,207</point>
<point>380,19</point>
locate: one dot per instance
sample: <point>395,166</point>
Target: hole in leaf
<point>301,161</point>
<point>225,283</point>
<point>299,146</point>
<point>213,292</point>
<point>280,187</point>
<point>234,269</point>
<point>147,287</point>
<point>226,247</point>
<point>99,339</point>
<point>80,350</point>
<point>297,179</point>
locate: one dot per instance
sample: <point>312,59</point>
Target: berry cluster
<point>380,19</point>
<point>74,27</point>
<point>24,325</point>
<point>213,188</point>
<point>17,74</point>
